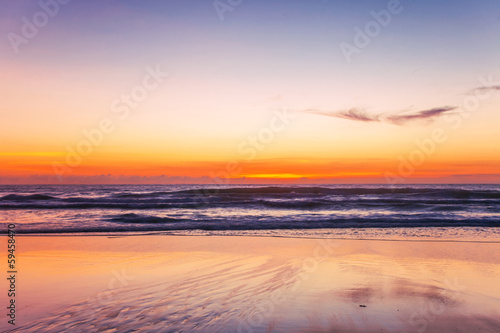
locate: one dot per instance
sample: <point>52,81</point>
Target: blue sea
<point>278,210</point>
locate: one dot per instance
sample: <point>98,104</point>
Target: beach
<point>148,283</point>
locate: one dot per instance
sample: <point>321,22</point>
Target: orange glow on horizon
<point>24,166</point>
<point>276,176</point>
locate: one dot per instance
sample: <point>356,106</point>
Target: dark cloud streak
<point>430,114</point>
<point>357,114</point>
<point>351,114</point>
<point>488,88</point>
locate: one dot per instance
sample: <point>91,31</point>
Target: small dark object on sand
<point>362,306</point>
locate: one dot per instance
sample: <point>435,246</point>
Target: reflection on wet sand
<point>252,284</point>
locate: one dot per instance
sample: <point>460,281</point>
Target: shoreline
<point>448,234</point>
<point>262,236</point>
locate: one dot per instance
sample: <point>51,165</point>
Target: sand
<point>154,283</point>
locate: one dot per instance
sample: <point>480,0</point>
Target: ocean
<point>470,211</point>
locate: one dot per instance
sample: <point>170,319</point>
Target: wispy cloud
<point>428,115</point>
<point>358,114</point>
<point>352,114</point>
<point>488,88</point>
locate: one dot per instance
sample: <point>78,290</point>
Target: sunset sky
<point>313,91</point>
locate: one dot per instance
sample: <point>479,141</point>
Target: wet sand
<point>253,284</point>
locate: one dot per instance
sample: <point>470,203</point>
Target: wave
<point>453,193</point>
<point>296,191</point>
<point>32,197</point>
<point>144,219</point>
<point>302,198</point>
<point>144,223</point>
<point>407,205</point>
<point>288,190</point>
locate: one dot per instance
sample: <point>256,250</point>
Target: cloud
<point>429,114</point>
<point>488,88</point>
<point>351,114</point>
<point>357,114</point>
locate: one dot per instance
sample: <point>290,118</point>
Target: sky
<point>252,91</point>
